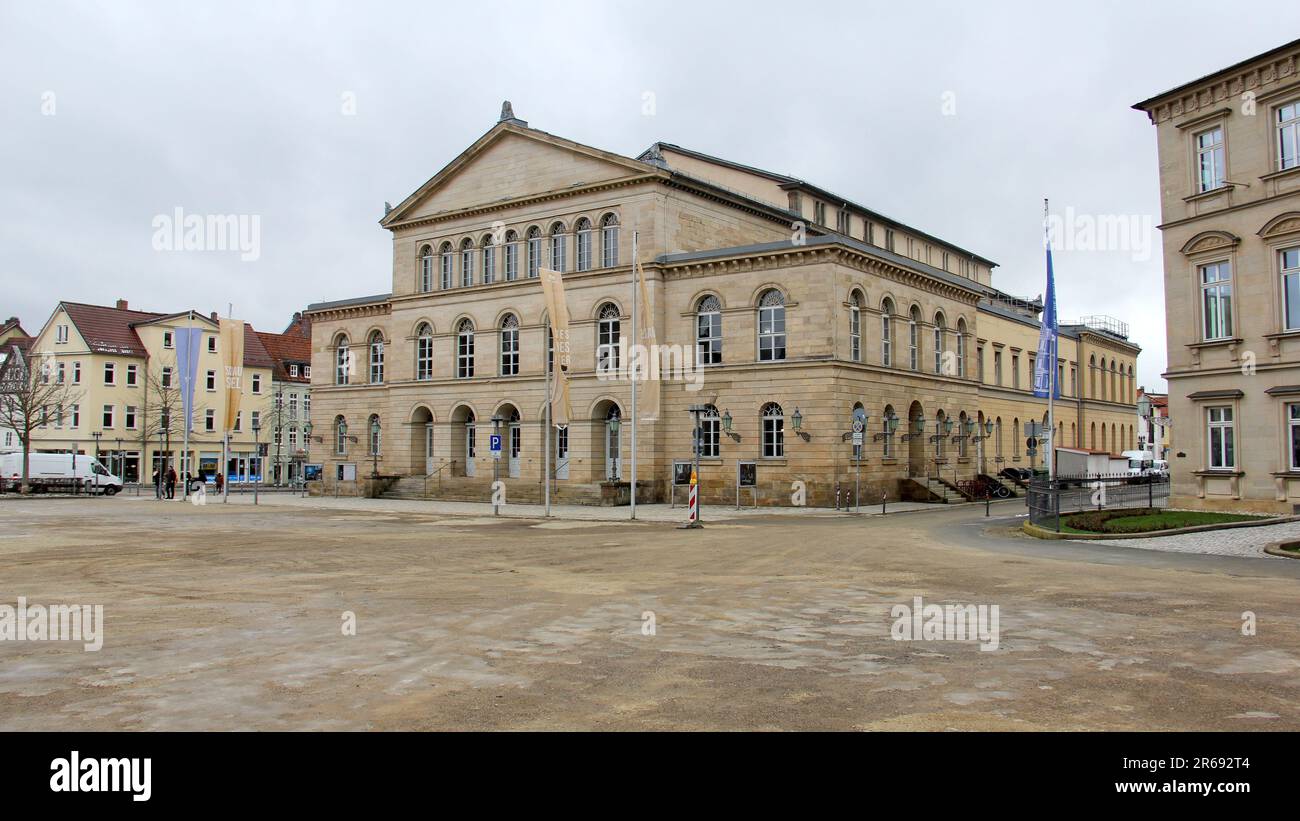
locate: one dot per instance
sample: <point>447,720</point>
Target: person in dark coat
<point>157,484</point>
<point>171,483</point>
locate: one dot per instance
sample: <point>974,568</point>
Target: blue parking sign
<point>494,445</point>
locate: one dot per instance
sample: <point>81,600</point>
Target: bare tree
<point>162,416</point>
<point>29,395</point>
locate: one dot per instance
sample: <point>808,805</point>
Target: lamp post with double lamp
<point>257,458</point>
<point>96,434</point>
<point>306,456</point>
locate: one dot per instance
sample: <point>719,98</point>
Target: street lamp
<point>726,425</point>
<point>614,424</point>
<point>796,423</point>
<point>257,457</point>
<point>374,448</point>
<point>96,435</point>
<point>306,455</point>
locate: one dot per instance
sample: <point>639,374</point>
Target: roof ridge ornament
<point>508,115</point>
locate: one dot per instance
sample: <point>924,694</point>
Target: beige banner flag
<point>232,345</point>
<point>557,311</point>
<point>648,398</point>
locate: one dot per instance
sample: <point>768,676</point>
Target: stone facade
<point>1230,201</point>
<point>714,236</point>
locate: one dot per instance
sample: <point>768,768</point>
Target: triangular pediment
<point>513,163</point>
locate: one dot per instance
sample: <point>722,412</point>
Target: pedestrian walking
<point>171,483</point>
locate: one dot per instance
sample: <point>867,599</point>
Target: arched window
<point>376,358</point>
<point>534,251</point>
<point>559,246</point>
<point>510,345</point>
<point>997,443</point>
<point>423,352</point>
<point>708,331</point>
<point>340,435</point>
<point>888,447</point>
<point>887,332</point>
<point>465,349</point>
<point>1092,380</point>
<point>961,348</point>
<point>771,326</point>
<point>608,329</point>
<point>373,432</point>
<point>448,264</point>
<point>426,269</point>
<point>609,240</point>
<point>855,327</point>
<point>710,430</point>
<point>489,259</point>
<point>583,231</point>
<point>342,360</point>
<point>914,338</point>
<point>939,328</point>
<point>512,256</point>
<point>467,262</point>
<point>773,431</point>
<point>961,433</point>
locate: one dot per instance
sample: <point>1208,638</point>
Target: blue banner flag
<point>187,363</point>
<point>1045,380</point>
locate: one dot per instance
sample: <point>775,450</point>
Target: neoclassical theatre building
<point>802,310</point>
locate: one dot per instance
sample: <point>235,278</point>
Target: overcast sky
<point>956,118</point>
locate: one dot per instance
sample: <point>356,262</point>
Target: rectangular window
<point>773,437</point>
<point>239,421</point>
<point>467,266</point>
<point>212,344</point>
<point>167,340</point>
<point>489,264</point>
<point>1289,262</point>
<point>1015,371</point>
<point>293,370</point>
<point>61,334</point>
<point>1288,136</point>
<point>997,367</point>
<point>512,261</point>
<point>534,255</point>
<point>167,377</point>
<point>108,416</point>
<point>843,223</point>
<point>110,373</point>
<point>1220,430</point>
<point>448,263</point>
<point>1216,301</point>
<point>868,233</point>
<point>889,239</point>
<point>130,417</point>
<point>132,376</point>
<point>819,213</point>
<point>1209,159</point>
<point>257,383</point>
<point>76,416</point>
<point>211,381</point>
<point>1293,434</point>
<point>76,373</point>
<point>293,406</point>
<point>209,420</point>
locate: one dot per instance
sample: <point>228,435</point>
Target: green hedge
<point>1145,520</point>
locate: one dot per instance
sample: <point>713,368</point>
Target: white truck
<point>57,471</point>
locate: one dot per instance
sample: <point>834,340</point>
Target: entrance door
<point>562,453</point>
<point>470,450</point>
<point>613,450</point>
<point>428,448</point>
<point>516,444</point>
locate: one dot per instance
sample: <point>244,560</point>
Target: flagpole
<point>546,458</point>
<point>636,340</point>
<point>1051,383</point>
<point>189,388</point>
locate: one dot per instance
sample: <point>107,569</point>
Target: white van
<point>1139,462</point>
<point>58,471</point>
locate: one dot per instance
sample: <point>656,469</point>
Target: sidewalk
<point>657,513</point>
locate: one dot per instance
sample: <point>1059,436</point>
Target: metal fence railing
<point>1050,499</point>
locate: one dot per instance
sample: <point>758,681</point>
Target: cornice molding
<point>1225,89</point>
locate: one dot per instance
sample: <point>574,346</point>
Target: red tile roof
<point>109,330</point>
<point>112,331</point>
<point>286,349</point>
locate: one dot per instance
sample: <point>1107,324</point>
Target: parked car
<point>58,471</point>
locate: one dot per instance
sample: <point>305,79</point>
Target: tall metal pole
<point>632,355</point>
<point>1051,373</point>
<point>546,447</point>
<point>187,385</point>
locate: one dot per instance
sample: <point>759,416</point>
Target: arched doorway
<point>464,443</point>
<point>422,442</point>
<point>513,439</point>
<point>915,441</point>
<point>607,439</point>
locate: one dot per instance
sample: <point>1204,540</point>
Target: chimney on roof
<point>121,304</point>
<point>213,315</point>
<point>508,115</point>
<point>13,320</point>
